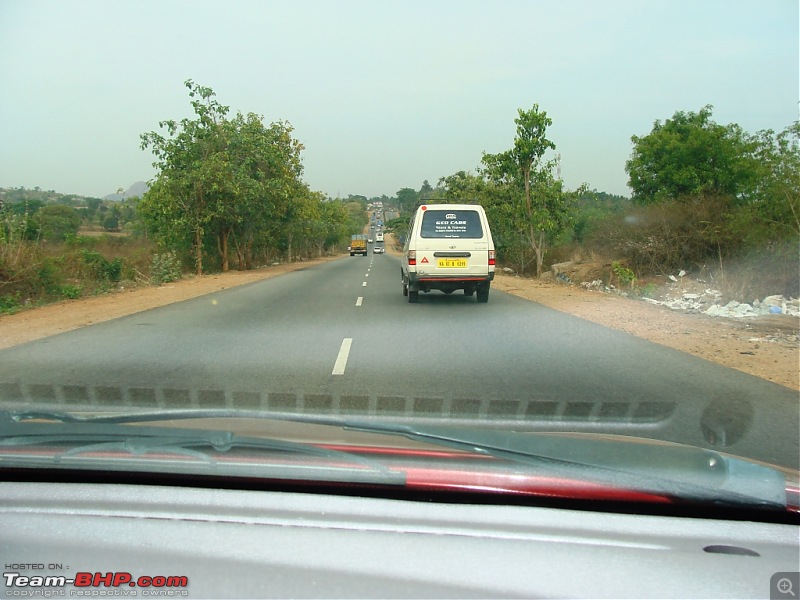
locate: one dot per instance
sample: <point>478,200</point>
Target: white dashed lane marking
<point>341,359</point>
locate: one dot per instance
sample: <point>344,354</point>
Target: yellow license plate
<point>452,263</point>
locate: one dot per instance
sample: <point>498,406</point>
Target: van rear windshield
<point>451,224</point>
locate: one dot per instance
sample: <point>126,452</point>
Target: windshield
<point>207,225</point>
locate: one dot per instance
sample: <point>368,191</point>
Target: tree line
<point>228,191</point>
<point>705,197</point>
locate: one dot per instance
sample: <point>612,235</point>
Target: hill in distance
<point>137,189</point>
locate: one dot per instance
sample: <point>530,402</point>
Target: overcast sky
<point>383,94</point>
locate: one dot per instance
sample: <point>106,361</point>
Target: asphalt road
<point>340,338</point>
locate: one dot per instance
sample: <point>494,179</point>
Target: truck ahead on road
<point>358,244</point>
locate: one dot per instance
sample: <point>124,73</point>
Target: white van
<point>379,236</point>
<point>448,247</point>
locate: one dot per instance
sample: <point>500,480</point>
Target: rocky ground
<point>765,345</point>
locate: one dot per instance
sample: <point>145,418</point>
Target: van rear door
<point>453,242</point>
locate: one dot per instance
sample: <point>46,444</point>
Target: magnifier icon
<point>784,586</point>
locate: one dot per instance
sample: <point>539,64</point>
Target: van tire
<point>483,293</point>
<point>405,290</point>
<point>468,292</point>
<point>413,297</point>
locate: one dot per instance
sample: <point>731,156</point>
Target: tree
<point>426,191</point>
<point>335,219</point>
<point>56,222</point>
<point>219,180</point>
<point>111,222</point>
<point>541,210</point>
<point>406,199</point>
<point>189,171</point>
<point>264,168</point>
<point>92,204</point>
<point>776,199</point>
<point>690,156</point>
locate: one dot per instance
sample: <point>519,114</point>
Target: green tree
<point>426,191</point>
<point>690,156</point>
<point>301,222</point>
<point>537,206</point>
<point>264,169</point>
<point>111,222</point>
<point>356,216</point>
<point>335,219</point>
<point>25,207</point>
<point>190,172</point>
<point>56,222</point>
<point>406,199</point>
<point>776,200</point>
<point>220,180</point>
<point>92,204</point>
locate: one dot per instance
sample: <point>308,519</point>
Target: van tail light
<point>412,257</point>
<point>491,258</point>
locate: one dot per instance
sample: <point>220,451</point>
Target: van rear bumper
<point>426,283</point>
<point>413,277</point>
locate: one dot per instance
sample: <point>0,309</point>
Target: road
<point>340,338</point>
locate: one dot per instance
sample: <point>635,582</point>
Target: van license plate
<point>452,263</point>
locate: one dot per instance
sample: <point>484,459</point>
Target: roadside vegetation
<point>707,199</point>
<point>227,193</point>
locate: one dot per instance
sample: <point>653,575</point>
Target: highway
<point>340,339</point>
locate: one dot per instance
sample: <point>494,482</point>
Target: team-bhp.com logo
<point>113,583</point>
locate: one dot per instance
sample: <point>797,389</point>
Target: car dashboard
<point>211,542</point>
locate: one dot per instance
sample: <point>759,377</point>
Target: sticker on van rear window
<point>451,224</point>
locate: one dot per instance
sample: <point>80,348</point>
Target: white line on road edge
<point>364,284</point>
<point>341,360</point>
<point>367,275</point>
<point>359,300</point>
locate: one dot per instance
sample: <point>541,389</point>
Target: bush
<point>625,276</point>
<point>739,248</point>
<point>70,291</point>
<point>57,222</point>
<point>165,267</point>
<point>48,278</point>
<point>102,269</point>
<point>663,238</point>
<point>9,303</point>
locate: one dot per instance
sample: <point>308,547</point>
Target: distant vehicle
<point>379,250</point>
<point>379,236</point>
<point>449,247</point>
<point>370,240</point>
<point>358,244</point>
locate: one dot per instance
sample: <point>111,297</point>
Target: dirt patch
<point>766,347</point>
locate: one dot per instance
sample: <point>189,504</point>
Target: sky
<point>382,94</point>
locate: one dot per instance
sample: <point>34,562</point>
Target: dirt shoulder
<point>766,347</point>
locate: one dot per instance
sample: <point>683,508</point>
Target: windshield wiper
<point>92,435</point>
<point>683,473</point>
